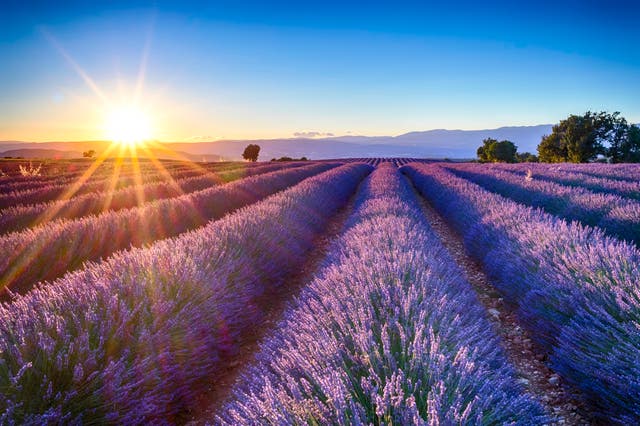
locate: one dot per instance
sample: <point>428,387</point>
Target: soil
<point>274,304</point>
<point>564,406</point>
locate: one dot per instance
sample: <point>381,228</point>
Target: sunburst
<point>127,124</point>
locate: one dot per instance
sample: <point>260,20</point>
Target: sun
<point>127,125</point>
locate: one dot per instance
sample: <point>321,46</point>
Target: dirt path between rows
<point>539,380</point>
<point>274,304</point>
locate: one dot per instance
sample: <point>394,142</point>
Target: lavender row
<point>565,177</point>
<point>618,216</point>
<point>625,172</point>
<point>388,333</point>
<point>133,340</point>
<point>375,161</point>
<point>21,216</point>
<point>44,193</point>
<point>102,172</point>
<point>574,288</point>
<point>50,250</point>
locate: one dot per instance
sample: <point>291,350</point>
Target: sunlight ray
<point>144,62</point>
<point>137,174</point>
<point>161,168</point>
<point>113,182</point>
<point>50,213</point>
<point>76,67</point>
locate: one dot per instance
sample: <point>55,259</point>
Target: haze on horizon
<point>230,70</point>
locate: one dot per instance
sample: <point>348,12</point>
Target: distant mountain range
<point>438,143</point>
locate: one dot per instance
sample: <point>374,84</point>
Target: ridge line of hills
<point>437,143</point>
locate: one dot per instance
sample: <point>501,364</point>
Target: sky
<point>244,70</point>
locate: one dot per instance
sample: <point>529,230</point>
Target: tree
<point>89,154</point>
<point>494,151</point>
<point>526,157</point>
<point>251,152</point>
<point>626,148</point>
<point>551,150</point>
<point>581,138</point>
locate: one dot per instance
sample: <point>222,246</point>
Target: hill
<point>439,143</point>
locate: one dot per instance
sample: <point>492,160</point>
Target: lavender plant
<point>103,175</point>
<point>19,217</point>
<point>575,288</point>
<point>131,340</point>
<point>38,192</point>
<point>50,250</point>
<point>617,215</point>
<point>547,172</point>
<point>387,333</point>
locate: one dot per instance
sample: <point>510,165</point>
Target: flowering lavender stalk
<point>48,251</point>
<point>623,172</point>
<point>131,340</point>
<point>616,215</point>
<point>101,172</point>
<point>104,181</point>
<point>23,216</point>
<point>575,288</point>
<point>124,174</point>
<point>387,333</point>
<point>559,175</point>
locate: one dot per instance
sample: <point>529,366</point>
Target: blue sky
<point>258,69</point>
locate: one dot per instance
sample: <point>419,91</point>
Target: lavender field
<point>354,291</point>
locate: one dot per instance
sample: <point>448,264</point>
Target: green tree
<point>581,138</point>
<point>483,151</point>
<point>551,150</point>
<point>251,152</point>
<point>89,154</point>
<point>493,150</point>
<point>526,157</point>
<point>626,147</point>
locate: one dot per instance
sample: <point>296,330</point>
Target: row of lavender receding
<point>387,333</point>
<point>44,193</point>
<point>559,175</point>
<point>134,339</point>
<point>574,288</point>
<point>25,216</point>
<point>97,171</point>
<point>375,161</point>
<point>48,251</point>
<point>19,192</point>
<point>624,172</point>
<point>618,216</point>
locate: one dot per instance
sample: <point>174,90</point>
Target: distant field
<point>359,291</point>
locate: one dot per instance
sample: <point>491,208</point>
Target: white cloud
<point>206,138</point>
<point>312,135</point>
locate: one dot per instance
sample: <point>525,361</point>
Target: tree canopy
<point>493,150</point>
<point>251,152</point>
<point>581,138</point>
<point>625,148</point>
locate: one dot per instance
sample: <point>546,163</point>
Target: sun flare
<point>127,125</point>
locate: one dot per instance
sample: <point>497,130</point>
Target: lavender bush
<point>131,339</point>
<point>575,288</point>
<point>388,333</point>
<point>50,250</point>
<point>123,172</point>
<point>19,217</point>
<point>623,172</point>
<point>616,215</point>
<point>558,174</point>
<point>106,181</point>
